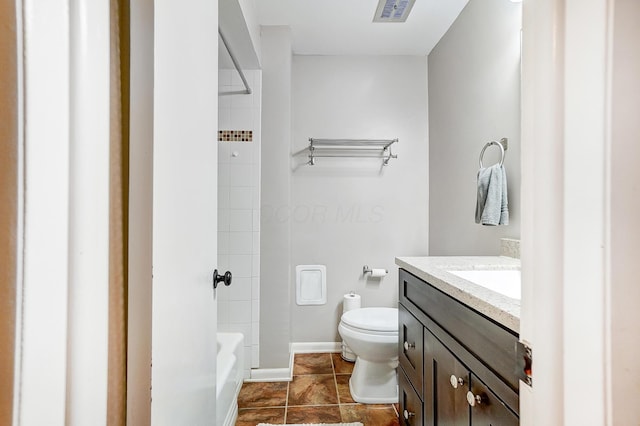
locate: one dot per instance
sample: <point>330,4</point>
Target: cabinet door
<point>486,408</point>
<point>446,383</point>
<point>410,403</point>
<point>410,347</point>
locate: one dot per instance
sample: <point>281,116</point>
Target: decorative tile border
<point>235,135</point>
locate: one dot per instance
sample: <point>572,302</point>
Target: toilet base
<point>374,382</point>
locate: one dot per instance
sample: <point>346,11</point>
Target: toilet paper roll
<point>378,272</point>
<point>350,301</point>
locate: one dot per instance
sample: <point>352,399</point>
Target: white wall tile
<point>239,312</point>
<point>241,118</point>
<point>257,96</point>
<point>255,243</point>
<point>255,198</point>
<point>255,333</point>
<point>241,152</point>
<point>223,174</point>
<point>240,242</point>
<point>221,296</point>
<point>223,242</point>
<point>255,356</point>
<point>256,220</point>
<point>255,175</point>
<point>223,312</point>
<point>240,174</point>
<point>223,197</point>
<point>223,262</point>
<point>241,220</point>
<point>224,78</point>
<point>224,100</point>
<point>223,218</point>
<point>224,119</point>
<point>236,80</point>
<point>255,265</point>
<point>240,198</point>
<point>224,152</point>
<point>224,328</point>
<point>246,331</point>
<point>255,289</point>
<point>240,289</point>
<point>240,265</point>
<point>242,101</point>
<point>255,309</point>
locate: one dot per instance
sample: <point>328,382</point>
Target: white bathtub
<point>228,377</point>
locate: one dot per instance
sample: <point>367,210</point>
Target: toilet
<point>372,334</point>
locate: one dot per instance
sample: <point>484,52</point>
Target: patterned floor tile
<point>263,394</point>
<point>253,416</point>
<point>344,394</point>
<point>321,414</point>
<point>312,364</point>
<point>370,414</point>
<point>317,389</point>
<point>340,365</point>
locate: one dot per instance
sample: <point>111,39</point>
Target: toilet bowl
<point>372,334</point>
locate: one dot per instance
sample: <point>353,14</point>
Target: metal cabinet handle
<point>217,278</point>
<point>408,414</point>
<point>408,346</point>
<point>456,381</point>
<point>473,399</point>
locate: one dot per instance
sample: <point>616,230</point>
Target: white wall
<point>275,235</point>
<point>625,216</point>
<point>239,211</point>
<point>140,287</point>
<point>346,213</point>
<point>474,97</point>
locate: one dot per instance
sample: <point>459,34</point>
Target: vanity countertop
<point>434,270</point>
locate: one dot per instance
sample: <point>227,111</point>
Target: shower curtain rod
<point>235,64</point>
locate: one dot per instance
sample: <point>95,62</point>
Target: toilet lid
<point>376,319</point>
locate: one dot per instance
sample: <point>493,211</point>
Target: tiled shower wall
<point>239,209</point>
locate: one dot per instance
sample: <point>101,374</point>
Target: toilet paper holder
<point>367,270</point>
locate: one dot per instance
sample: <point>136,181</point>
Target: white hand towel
<point>492,204</point>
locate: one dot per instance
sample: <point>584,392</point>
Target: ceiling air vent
<point>393,10</point>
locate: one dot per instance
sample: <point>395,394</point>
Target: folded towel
<point>492,206</point>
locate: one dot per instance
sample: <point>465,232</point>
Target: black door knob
<point>217,278</point>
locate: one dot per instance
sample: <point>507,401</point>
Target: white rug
<point>316,424</point>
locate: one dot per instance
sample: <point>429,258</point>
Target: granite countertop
<point>496,306</point>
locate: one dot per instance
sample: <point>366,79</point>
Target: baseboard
<point>286,374</point>
<point>270,375</point>
<point>314,347</point>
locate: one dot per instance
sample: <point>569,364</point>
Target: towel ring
<point>488,144</point>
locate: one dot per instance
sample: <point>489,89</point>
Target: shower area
<point>239,122</point>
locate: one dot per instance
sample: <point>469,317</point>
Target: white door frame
<point>62,367</point>
<point>568,215</point>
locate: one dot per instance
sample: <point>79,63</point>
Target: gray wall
<point>474,97</point>
<point>350,212</point>
<point>275,242</point>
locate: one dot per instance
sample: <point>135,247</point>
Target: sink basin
<point>505,282</point>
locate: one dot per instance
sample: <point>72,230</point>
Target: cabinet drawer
<point>410,347</point>
<point>481,337</point>
<point>410,403</point>
<point>490,410</point>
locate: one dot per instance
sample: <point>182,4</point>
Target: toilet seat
<point>372,320</point>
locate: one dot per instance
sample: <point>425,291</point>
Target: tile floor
<point>319,393</point>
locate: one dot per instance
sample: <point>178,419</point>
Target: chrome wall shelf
<point>351,148</point>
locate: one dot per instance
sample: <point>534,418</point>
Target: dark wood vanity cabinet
<point>447,375</point>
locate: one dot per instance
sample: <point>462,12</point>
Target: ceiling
<point>345,27</point>
<point>337,27</point>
